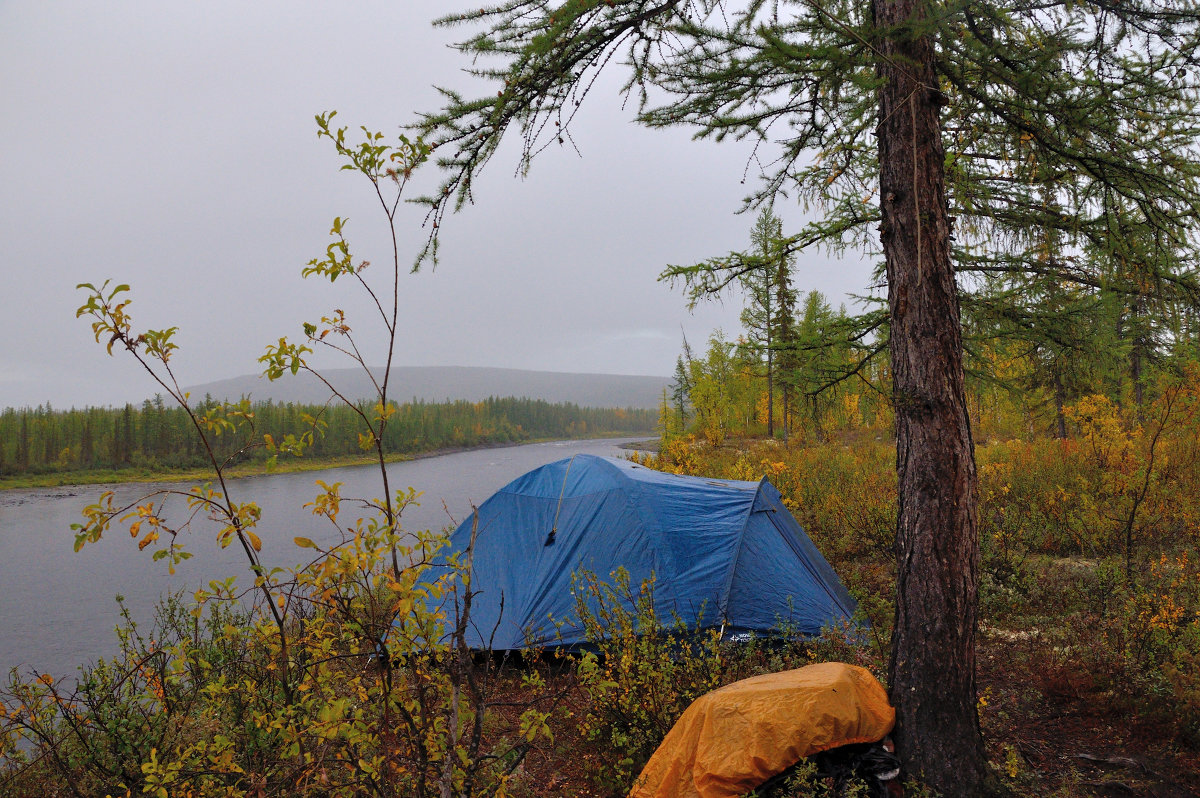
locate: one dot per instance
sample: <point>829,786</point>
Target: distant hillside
<point>442,383</point>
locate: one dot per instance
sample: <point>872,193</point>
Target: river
<point>58,608</point>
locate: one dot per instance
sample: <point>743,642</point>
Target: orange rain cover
<point>733,739</point>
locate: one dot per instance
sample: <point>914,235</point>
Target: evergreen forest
<point>161,437</point>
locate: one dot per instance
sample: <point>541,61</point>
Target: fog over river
<point>58,608</point>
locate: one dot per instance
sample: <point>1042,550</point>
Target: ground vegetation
<point>957,134</point>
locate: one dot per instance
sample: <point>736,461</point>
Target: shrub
<point>642,673</point>
<point>200,708</point>
<point>347,675</point>
<point>640,677</point>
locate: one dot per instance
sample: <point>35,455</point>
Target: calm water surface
<point>58,608</point>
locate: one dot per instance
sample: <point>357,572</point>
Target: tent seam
<point>723,607</point>
<point>809,566</point>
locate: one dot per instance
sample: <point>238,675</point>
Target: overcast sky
<point>171,145</point>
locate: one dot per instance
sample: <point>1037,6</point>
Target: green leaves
<point>107,307</point>
<point>109,314</point>
<point>224,418</point>
<point>337,256</point>
<point>373,157</point>
<point>158,343</point>
<point>284,357</point>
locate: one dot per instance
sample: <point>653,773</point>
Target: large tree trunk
<point>932,670</point>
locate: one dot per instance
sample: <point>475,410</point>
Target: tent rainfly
<point>724,554</point>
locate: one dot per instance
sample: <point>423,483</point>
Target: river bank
<point>108,476</point>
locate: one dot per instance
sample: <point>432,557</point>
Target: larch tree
<point>760,316</point>
<point>821,356</point>
<point>680,389</point>
<point>925,131</point>
<point>786,360</point>
<point>763,275</point>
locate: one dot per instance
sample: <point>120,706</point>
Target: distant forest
<point>43,440</point>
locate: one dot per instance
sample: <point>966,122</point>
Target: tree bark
<point>1137,353</point>
<point>1060,401</point>
<point>932,670</point>
<point>770,374</point>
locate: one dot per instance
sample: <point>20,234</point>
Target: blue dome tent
<point>725,552</point>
